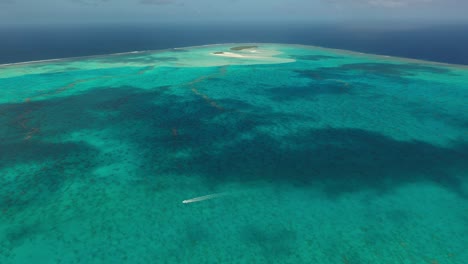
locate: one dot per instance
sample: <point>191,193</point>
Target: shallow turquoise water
<point>314,156</point>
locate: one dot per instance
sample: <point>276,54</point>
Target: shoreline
<point>350,52</point>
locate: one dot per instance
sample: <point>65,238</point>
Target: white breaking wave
<point>203,198</point>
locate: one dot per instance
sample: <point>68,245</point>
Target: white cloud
<point>157,2</point>
<point>396,3</point>
<point>89,2</point>
<point>383,3</point>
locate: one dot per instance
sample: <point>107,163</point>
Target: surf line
<point>203,198</point>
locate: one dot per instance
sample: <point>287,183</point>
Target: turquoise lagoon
<point>310,155</point>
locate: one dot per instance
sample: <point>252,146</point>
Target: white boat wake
<point>203,198</point>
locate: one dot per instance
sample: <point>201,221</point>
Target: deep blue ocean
<point>441,43</point>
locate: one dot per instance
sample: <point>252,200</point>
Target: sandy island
<point>243,52</point>
<point>230,54</point>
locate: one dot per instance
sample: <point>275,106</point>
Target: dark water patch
<point>450,119</point>
<point>399,217</point>
<point>48,169</point>
<point>239,105</point>
<point>216,79</point>
<point>171,123</point>
<point>352,256</point>
<point>89,110</point>
<point>17,234</point>
<point>194,233</point>
<point>37,151</point>
<point>397,70</point>
<point>286,93</point>
<point>229,146</point>
<point>197,124</point>
<point>321,74</point>
<point>392,72</point>
<point>51,167</point>
<point>431,113</point>
<point>114,101</point>
<point>114,107</point>
<point>343,160</point>
<point>274,243</point>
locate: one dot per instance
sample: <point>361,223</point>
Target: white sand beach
<point>231,55</point>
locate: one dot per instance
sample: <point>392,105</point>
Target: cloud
<point>383,3</point>
<point>157,2</point>
<point>129,2</point>
<point>90,2</point>
<point>396,3</point>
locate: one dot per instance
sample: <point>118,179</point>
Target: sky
<point>125,11</point>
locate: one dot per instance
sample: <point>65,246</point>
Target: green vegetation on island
<point>244,47</point>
